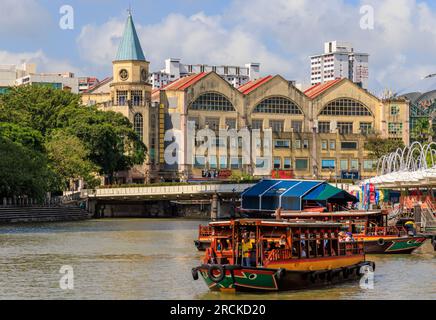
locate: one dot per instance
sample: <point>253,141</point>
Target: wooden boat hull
<point>390,245</point>
<point>249,279</point>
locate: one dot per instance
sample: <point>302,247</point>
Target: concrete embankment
<point>41,214</point>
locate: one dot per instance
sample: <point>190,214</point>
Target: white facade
<point>56,80</point>
<point>174,70</point>
<point>340,61</point>
<point>9,73</point>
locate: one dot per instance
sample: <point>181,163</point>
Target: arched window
<point>212,102</point>
<point>138,125</point>
<point>345,107</point>
<point>277,105</point>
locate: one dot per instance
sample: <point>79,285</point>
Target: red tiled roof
<point>319,88</point>
<point>98,84</point>
<point>250,86</point>
<point>185,82</point>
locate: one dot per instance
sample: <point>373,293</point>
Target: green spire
<point>130,47</point>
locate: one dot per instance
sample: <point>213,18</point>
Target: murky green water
<point>152,259</point>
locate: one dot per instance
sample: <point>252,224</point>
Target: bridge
<point>104,201</point>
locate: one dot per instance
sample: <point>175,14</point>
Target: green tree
<point>109,138</point>
<point>69,159</point>
<point>378,147</point>
<point>24,171</point>
<point>422,131</point>
<point>25,136</point>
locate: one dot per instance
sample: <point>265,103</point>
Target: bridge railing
<point>166,190</point>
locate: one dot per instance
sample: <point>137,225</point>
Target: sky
<point>279,34</point>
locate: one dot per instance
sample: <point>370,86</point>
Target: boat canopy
<point>270,194</point>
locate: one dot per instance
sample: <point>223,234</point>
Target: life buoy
<point>381,241</point>
<point>197,244</point>
<point>194,272</point>
<point>213,277</point>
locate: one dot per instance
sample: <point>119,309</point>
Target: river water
<point>152,259</point>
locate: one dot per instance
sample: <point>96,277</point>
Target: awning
<point>268,195</point>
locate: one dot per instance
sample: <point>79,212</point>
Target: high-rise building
<point>174,69</point>
<point>10,73</point>
<point>340,61</point>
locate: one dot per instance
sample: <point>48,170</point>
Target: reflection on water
<point>152,259</point>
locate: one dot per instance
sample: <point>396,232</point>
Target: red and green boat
<point>284,256</point>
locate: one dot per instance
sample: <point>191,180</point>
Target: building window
<point>324,127</point>
<point>395,110</point>
<point>277,105</point>
<point>395,128</point>
<point>277,163</point>
<point>231,123</point>
<point>345,107</point>
<point>354,165</point>
<point>223,162</point>
<point>369,165</point>
<point>212,102</point>
<point>297,144</point>
<point>200,162</point>
<point>345,127</point>
<point>327,164</point>
<point>276,125</point>
<point>235,163</point>
<point>137,98</point>
<point>332,144</point>
<point>138,124</point>
<point>344,165</point>
<point>213,123</point>
<point>365,127</point>
<point>122,97</point>
<point>349,145</point>
<point>280,144</point>
<point>257,124</point>
<point>301,164</point>
<point>287,164</point>
<point>297,126</point>
<point>324,144</point>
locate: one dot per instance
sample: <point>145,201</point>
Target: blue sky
<point>280,34</point>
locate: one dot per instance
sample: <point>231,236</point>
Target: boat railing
<point>387,231</point>
<point>279,254</point>
<point>350,248</point>
<point>204,231</point>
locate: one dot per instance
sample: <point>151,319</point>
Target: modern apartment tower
<point>340,61</point>
<point>174,70</point>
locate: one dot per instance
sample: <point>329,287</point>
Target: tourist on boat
<point>349,237</point>
<point>247,246</point>
<point>282,242</point>
<point>278,213</point>
<point>410,227</point>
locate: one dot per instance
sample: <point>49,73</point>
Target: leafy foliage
<point>378,147</point>
<point>68,140</point>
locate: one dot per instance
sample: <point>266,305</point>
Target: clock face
<point>144,75</point>
<point>124,74</point>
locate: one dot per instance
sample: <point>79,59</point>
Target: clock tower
<point>131,96</point>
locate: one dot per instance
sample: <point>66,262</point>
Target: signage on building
<point>282,174</point>
<point>350,175</point>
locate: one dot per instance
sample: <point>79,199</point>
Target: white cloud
<point>23,18</point>
<point>281,35</point>
<point>43,62</point>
